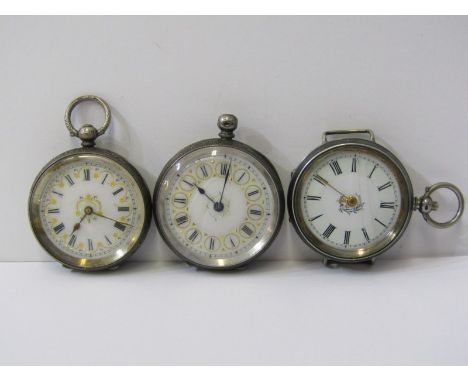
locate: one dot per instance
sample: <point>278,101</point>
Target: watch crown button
<point>227,123</point>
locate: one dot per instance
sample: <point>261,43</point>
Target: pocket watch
<point>219,203</point>
<point>88,207</point>
<point>351,199</point>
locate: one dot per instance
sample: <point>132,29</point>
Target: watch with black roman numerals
<point>351,199</point>
<point>219,203</point>
<point>88,207</point>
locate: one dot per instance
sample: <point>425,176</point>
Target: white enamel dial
<point>91,209</point>
<point>350,202</point>
<point>218,206</point>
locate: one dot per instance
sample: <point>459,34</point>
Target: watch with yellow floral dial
<point>88,207</point>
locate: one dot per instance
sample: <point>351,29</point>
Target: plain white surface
<point>287,79</point>
<point>399,311</point>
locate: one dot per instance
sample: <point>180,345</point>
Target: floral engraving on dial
<point>91,209</point>
<point>220,205</point>
<point>351,200</point>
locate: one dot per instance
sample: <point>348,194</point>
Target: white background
<point>287,79</point>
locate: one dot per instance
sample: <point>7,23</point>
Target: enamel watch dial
<point>350,199</point>
<point>218,203</point>
<point>90,209</point>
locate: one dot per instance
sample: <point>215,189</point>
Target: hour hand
<point>87,211</point>
<point>200,190</point>
<point>203,192</point>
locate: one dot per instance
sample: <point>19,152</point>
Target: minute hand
<point>108,218</point>
<point>225,181</point>
<point>325,182</point>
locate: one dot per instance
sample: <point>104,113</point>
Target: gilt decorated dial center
<point>351,199</point>
<point>91,208</point>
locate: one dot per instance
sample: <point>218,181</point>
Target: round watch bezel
<point>37,226</point>
<point>310,238</point>
<point>213,263</point>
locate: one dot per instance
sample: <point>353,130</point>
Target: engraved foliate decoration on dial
<point>351,200</point>
<point>91,208</point>
<point>218,205</point>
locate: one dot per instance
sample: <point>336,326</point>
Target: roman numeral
<point>364,232</point>
<point>211,243</point>
<point>311,197</point>
<point>328,231</point>
<point>107,239</point>
<point>104,180</point>
<point>232,243</point>
<point>87,174</point>
<point>120,226</point>
<point>319,179</point>
<point>204,171</point>
<point>390,205</point>
<point>347,234</point>
<point>384,186</point>
<point>315,218</point>
<point>180,200</point>
<point>224,168</point>
<point>69,180</point>
<point>193,235</point>
<point>354,165</point>
<point>123,209</point>
<point>90,244</point>
<point>72,241</point>
<point>247,230</point>
<point>335,167</point>
<point>58,193</point>
<point>240,177</point>
<point>182,219</point>
<point>255,212</point>
<point>378,221</point>
<point>118,191</point>
<point>59,228</point>
<point>252,193</point>
<point>53,211</point>
<point>370,175</point>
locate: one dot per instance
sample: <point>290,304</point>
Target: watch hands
<point>350,201</point>
<point>326,183</point>
<point>201,191</point>
<point>225,181</point>
<point>218,206</point>
<point>106,217</point>
<point>87,211</point>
